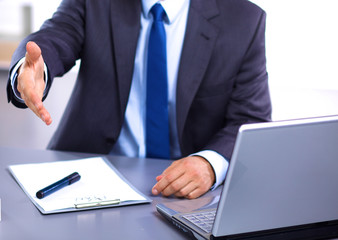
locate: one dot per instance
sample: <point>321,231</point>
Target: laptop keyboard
<point>203,220</point>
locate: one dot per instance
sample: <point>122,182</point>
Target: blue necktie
<point>157,121</point>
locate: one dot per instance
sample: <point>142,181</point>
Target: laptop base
<point>323,230</point>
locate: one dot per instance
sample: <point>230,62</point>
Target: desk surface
<point>20,219</point>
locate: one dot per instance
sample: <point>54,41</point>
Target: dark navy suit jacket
<point>222,79</point>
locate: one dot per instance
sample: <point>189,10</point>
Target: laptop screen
<point>281,174</point>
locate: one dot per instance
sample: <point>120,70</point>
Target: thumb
<point>33,52</point>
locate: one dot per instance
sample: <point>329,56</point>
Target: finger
<point>44,114</point>
<point>33,52</point>
<point>167,177</point>
<point>187,186</point>
<point>158,178</point>
<point>181,187</point>
<point>36,105</point>
<point>186,190</point>
<point>34,102</point>
<point>197,192</point>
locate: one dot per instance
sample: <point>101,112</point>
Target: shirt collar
<point>173,8</point>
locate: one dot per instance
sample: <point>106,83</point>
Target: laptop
<point>282,183</point>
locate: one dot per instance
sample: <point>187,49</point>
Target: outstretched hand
<point>31,83</point>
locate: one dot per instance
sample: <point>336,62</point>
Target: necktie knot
<point>158,12</point>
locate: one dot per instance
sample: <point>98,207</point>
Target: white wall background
<point>302,42</point>
<point>302,56</point>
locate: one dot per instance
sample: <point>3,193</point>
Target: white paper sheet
<point>98,180</point>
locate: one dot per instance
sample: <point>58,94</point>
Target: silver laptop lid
<point>281,174</point>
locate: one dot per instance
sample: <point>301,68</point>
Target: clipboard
<point>101,185</point>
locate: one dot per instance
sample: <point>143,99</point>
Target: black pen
<point>72,178</point>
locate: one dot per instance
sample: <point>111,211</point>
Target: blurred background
<point>302,57</point>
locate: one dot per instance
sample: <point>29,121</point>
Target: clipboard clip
<point>89,202</point>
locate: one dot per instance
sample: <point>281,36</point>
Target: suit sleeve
<point>60,39</point>
<point>250,99</point>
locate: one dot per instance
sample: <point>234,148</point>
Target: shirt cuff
<point>218,163</point>
<point>14,76</point>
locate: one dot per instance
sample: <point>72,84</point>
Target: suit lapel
<point>125,19</point>
<point>197,48</point>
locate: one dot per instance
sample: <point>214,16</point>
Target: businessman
<point>211,78</point>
